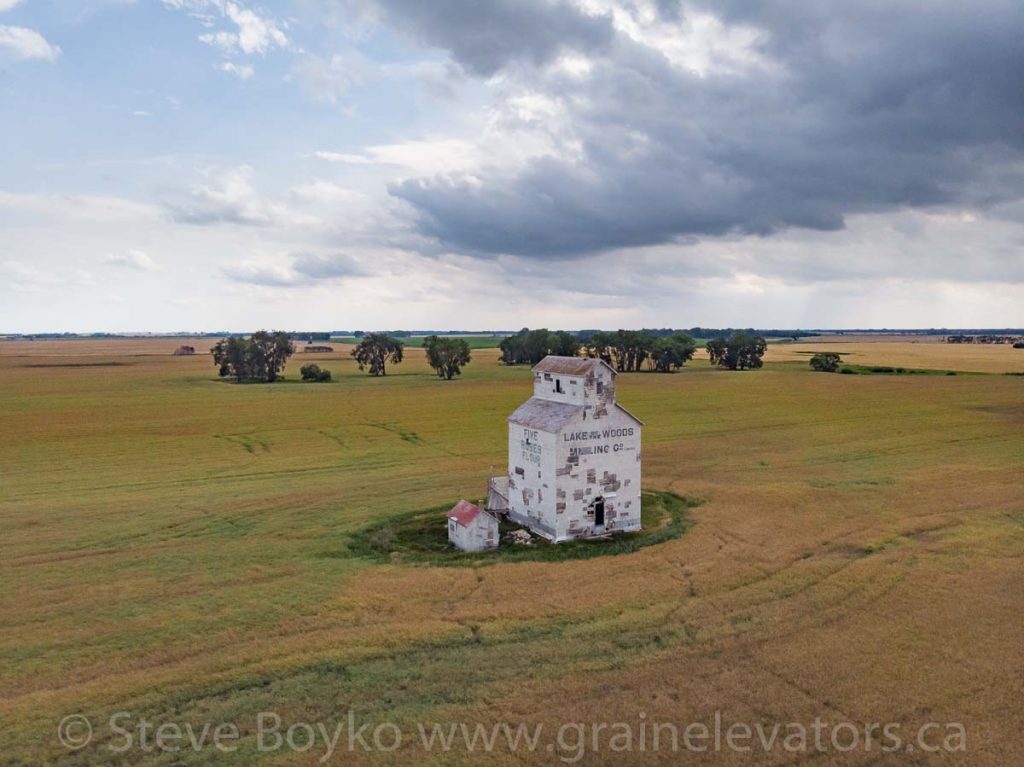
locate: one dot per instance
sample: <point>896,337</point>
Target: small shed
<point>470,528</point>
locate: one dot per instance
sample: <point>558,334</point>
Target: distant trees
<point>528,347</point>
<point>628,350</point>
<point>314,372</point>
<point>826,362</point>
<point>259,358</point>
<point>447,355</point>
<point>625,350</point>
<point>375,350</point>
<point>740,351</point>
<point>599,346</point>
<point>668,354</point>
<point>563,343</point>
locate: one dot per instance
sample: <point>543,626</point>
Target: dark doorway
<point>599,512</point>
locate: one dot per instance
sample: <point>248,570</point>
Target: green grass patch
<point>421,537</point>
<point>868,370</point>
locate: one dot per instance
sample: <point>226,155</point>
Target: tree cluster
<point>528,347</point>
<point>259,358</point>
<point>447,355</point>
<point>826,362</point>
<point>314,372</point>
<point>375,350</point>
<point>740,351</point>
<point>628,350</point>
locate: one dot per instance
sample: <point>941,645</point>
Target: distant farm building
<point>573,455</point>
<point>470,528</point>
<point>184,351</point>
<point>311,348</point>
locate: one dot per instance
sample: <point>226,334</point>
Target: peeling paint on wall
<point>582,444</point>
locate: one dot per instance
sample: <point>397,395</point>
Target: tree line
<point>629,351</point>
<point>262,356</point>
<point>528,347</point>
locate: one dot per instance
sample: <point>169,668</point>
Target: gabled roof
<point>545,414</point>
<point>464,512</point>
<point>620,407</point>
<point>569,366</point>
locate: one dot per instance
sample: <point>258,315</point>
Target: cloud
<point>23,44</point>
<point>329,79</point>
<point>325,192</point>
<point>251,33</point>
<point>813,117</point>
<point>299,269</point>
<point>427,156</point>
<point>6,5</point>
<point>131,259</point>
<point>485,37</point>
<point>320,267</point>
<point>353,159</point>
<point>241,71</point>
<point>230,197</point>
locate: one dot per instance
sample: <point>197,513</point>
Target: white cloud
<point>352,159</point>
<point>6,5</point>
<point>439,155</point>
<point>325,192</point>
<point>241,71</point>
<point>330,79</point>
<point>253,34</point>
<point>24,44</point>
<point>131,259</point>
<point>231,198</point>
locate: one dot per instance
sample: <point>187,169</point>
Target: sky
<point>201,165</point>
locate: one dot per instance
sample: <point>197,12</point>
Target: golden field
<point>174,546</point>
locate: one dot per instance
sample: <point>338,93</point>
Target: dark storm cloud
<point>484,37</point>
<point>861,109</point>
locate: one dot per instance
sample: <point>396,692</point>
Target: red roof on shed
<point>464,512</point>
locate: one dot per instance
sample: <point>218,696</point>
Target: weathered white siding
<point>479,535</point>
<point>598,459</point>
<point>531,471</point>
<point>573,451</point>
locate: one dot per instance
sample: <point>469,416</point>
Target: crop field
<point>483,341</point>
<point>965,358</point>
<point>182,549</point>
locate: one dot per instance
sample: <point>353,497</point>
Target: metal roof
<point>569,366</point>
<point>544,414</point>
<point>464,512</point>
